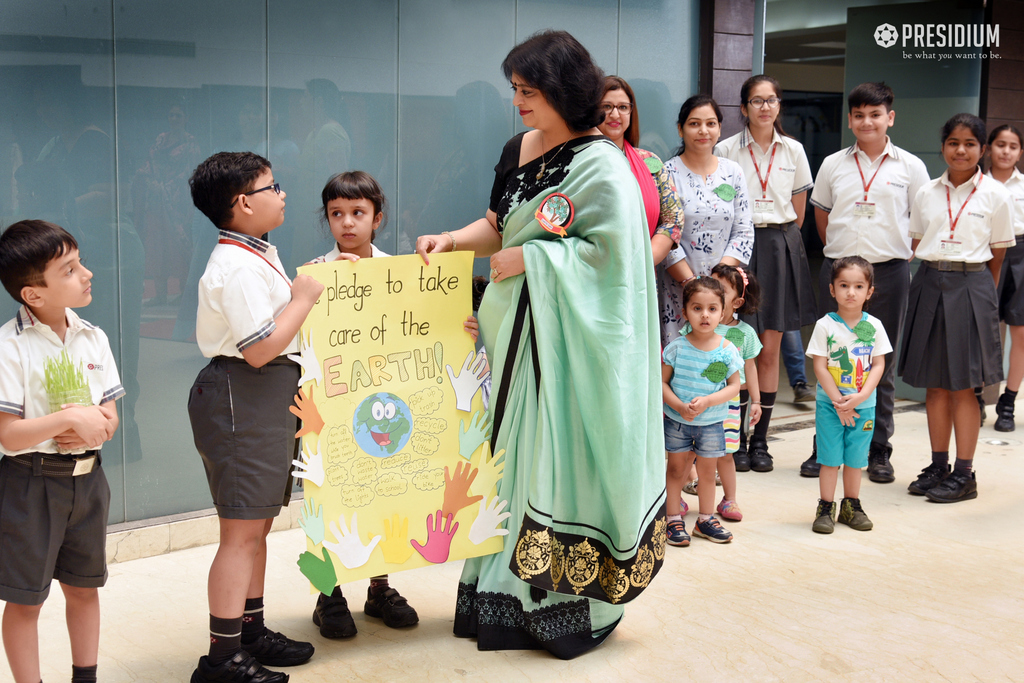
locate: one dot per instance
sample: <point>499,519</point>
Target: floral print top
<point>717,224</point>
<point>671,218</point>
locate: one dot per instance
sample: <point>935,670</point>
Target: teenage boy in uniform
<point>54,496</point>
<point>248,320</point>
<point>862,198</point>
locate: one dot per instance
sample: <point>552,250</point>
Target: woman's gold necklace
<point>543,163</point>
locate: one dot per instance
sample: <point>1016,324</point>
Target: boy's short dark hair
<point>217,181</point>
<point>871,95</point>
<point>26,248</point>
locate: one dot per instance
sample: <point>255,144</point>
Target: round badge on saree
<point>555,213</point>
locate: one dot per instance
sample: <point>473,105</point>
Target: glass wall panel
<point>333,106</point>
<point>455,114</point>
<point>191,80</point>
<point>58,156</point>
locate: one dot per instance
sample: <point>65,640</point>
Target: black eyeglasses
<point>623,108</point>
<point>276,187</point>
<point>759,102</point>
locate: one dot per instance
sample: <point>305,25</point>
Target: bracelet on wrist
<point>451,238</point>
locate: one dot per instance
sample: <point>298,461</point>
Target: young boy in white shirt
<point>862,199</point>
<point>58,384</point>
<point>248,320</point>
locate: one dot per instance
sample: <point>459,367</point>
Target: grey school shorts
<point>245,434</point>
<point>51,528</point>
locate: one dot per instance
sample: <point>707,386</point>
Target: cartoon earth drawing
<point>715,372</point>
<point>735,335</point>
<point>382,424</point>
<point>865,332</point>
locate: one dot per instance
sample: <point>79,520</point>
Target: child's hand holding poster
<point>395,456</point>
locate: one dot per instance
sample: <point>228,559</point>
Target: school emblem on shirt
<point>555,213</point>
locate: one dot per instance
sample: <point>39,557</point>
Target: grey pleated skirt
<point>787,290</point>
<point>1011,285</point>
<point>951,334</point>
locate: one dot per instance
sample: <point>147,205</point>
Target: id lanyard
<point>867,185</point>
<point>235,243</point>
<point>771,160</point>
<point>949,208</point>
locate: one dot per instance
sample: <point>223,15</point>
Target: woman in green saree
<point>571,329</point>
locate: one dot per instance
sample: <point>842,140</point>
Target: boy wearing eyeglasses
<point>862,198</point>
<point>249,316</point>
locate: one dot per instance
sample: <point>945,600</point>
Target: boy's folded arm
<point>305,291</point>
<point>89,422</point>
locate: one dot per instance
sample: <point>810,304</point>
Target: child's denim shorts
<point>707,441</point>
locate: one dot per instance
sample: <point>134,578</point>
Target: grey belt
<point>956,266</point>
<point>54,465</point>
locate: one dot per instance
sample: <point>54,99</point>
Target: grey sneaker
<point>824,518</point>
<point>852,515</point>
<point>802,393</point>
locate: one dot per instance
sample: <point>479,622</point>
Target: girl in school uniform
<point>961,225</point>
<point>1004,147</point>
<point>779,177</point>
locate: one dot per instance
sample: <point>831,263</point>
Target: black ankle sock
<point>940,458</point>
<point>225,639</point>
<point>963,465</point>
<point>379,583</point>
<point>82,674</point>
<point>252,619</point>
<point>761,428</point>
<point>1009,396</point>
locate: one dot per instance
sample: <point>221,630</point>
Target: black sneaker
<point>879,469</point>
<point>1004,415</point>
<point>810,466</point>
<point>802,393</point>
<point>242,668</point>
<point>275,649</point>
<point>760,458</point>
<point>332,615</point>
<point>391,607</point>
<point>954,488</point>
<point>929,478</point>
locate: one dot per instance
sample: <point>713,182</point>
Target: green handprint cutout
<point>312,522</point>
<point>319,572</point>
<point>470,438</point>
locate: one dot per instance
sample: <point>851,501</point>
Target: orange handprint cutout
<point>456,488</point>
<point>305,409</point>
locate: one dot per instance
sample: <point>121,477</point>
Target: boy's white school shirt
<point>26,344</point>
<point>985,223</point>
<point>242,291</point>
<point>1015,184</point>
<point>838,188</point>
<point>789,173</point>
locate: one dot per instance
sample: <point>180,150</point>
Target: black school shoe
<point>242,668</point>
<point>332,615</point>
<point>810,467</point>
<point>274,649</point>
<point>760,458</point>
<point>390,606</point>
<point>1004,415</point>
<point>929,478</point>
<point>879,469</point>
<point>954,488</point>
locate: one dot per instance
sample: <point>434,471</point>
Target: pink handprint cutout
<point>439,538</point>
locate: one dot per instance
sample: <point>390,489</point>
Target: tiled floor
<point>932,593</point>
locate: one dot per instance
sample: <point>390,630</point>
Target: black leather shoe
<point>391,607</point>
<point>929,478</point>
<point>242,668</point>
<point>742,460</point>
<point>954,488</point>
<point>760,458</point>
<point>879,469</point>
<point>332,615</point>
<point>275,649</point>
<point>810,466</point>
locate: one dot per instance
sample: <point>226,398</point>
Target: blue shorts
<point>707,441</point>
<point>839,445</point>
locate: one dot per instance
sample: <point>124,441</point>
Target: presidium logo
<point>966,37</point>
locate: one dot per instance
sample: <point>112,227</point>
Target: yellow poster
<point>395,455</point>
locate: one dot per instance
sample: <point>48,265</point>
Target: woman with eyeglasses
<point>662,207</point>
<point>779,177</point>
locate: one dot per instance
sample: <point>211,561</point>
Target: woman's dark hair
<point>745,284</point>
<point>702,283</point>
<point>969,121</point>
<point>748,85</point>
<point>559,67</point>
<point>632,133</point>
<point>688,106</point>
<point>999,129</point>
<point>355,185</point>
<point>841,264</point>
